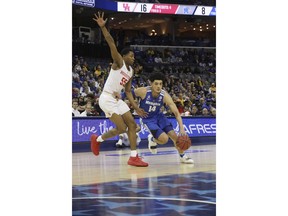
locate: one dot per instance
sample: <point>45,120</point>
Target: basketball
<point>183,142</point>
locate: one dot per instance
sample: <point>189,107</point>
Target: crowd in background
<point>190,73</point>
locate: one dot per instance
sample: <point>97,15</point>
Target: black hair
<point>157,76</point>
<point>126,50</point>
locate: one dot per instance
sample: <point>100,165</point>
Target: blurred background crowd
<point>190,79</point>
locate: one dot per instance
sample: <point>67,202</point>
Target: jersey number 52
<point>123,81</point>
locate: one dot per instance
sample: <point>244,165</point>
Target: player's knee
<point>163,139</point>
<point>122,129</point>
<point>132,125</point>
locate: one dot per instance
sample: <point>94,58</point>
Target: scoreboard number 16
<point>143,8</point>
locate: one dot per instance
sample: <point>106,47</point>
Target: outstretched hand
<point>99,19</point>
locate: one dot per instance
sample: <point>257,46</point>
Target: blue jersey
<point>156,122</point>
<point>152,105</point>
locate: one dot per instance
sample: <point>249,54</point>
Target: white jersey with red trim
<point>117,79</point>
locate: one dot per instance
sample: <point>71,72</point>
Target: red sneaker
<point>94,144</point>
<point>136,161</point>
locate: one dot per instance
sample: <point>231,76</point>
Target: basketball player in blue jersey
<point>120,77</point>
<point>152,98</point>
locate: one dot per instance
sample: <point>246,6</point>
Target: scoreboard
<point>166,8</point>
<point>152,8</point>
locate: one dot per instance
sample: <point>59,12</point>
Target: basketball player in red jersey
<point>120,77</point>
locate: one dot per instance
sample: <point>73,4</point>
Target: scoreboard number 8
<point>203,10</point>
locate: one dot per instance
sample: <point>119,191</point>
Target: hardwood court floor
<point>106,185</point>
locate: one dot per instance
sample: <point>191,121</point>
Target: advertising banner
<point>84,127</point>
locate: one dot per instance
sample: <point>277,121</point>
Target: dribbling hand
<point>182,133</point>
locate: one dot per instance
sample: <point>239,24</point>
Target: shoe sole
<point>187,162</point>
<point>131,163</point>
<point>138,165</point>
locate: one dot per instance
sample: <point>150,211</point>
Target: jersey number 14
<point>152,108</point>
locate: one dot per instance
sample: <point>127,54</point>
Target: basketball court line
<point>148,153</point>
<point>146,198</point>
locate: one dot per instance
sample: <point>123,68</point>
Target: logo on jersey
<point>125,75</point>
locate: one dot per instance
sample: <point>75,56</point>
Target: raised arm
<point>117,58</point>
<point>169,102</point>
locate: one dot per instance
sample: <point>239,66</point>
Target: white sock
<point>120,141</point>
<point>99,139</point>
<point>133,153</point>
